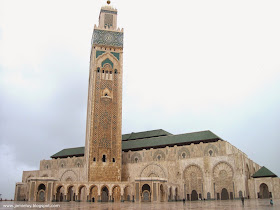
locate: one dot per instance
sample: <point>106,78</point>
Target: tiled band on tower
<point>151,166</point>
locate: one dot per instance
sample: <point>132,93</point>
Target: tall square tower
<point>103,145</point>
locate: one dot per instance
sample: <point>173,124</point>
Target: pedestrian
<point>271,202</point>
<point>184,200</point>
<point>242,199</point>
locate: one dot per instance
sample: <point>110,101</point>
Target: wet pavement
<point>225,205</point>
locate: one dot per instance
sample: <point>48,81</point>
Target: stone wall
<point>207,168</point>
<point>71,169</point>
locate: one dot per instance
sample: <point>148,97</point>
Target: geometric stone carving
<point>210,150</point>
<point>69,176</point>
<point>193,178</point>
<point>136,157</point>
<point>159,155</point>
<point>183,153</point>
<point>153,170</point>
<point>223,177</point>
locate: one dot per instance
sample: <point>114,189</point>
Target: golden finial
<point>108,2</point>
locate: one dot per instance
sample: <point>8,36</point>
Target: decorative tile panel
<point>98,53</point>
<point>107,60</point>
<point>109,38</point>
<point>117,55</point>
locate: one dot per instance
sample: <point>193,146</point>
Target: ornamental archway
<point>224,194</point>
<point>93,193</point>
<point>223,179</point>
<point>146,193</point>
<point>41,193</point>
<point>193,178</point>
<point>104,194</point>
<point>116,193</point>
<point>71,193</point>
<point>264,192</point>
<point>59,193</point>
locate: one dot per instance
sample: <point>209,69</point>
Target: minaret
<point>103,146</point>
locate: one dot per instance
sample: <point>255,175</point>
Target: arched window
<point>184,155</point>
<point>210,152</point>
<point>62,165</point>
<point>116,71</point>
<point>104,158</point>
<point>114,160</point>
<point>94,159</point>
<point>98,69</point>
<point>136,160</point>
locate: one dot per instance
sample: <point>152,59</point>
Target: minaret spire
<point>103,148</point>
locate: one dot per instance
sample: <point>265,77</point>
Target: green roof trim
<point>98,53</point>
<point>263,172</point>
<point>145,134</point>
<point>149,139</point>
<point>107,60</point>
<point>117,55</point>
<point>70,152</point>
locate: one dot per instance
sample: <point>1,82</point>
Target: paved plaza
<point>225,205</point>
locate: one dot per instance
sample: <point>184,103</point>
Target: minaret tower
<point>103,146</point>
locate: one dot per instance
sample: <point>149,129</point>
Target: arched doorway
<point>59,194</point>
<point>240,194</point>
<point>162,193</point>
<point>146,193</point>
<point>82,194</point>
<point>71,194</point>
<point>224,194</point>
<point>93,193</point>
<point>41,193</point>
<point>194,196</point>
<point>104,194</point>
<point>170,194</point>
<point>176,194</point>
<point>264,192</point>
<point>127,193</point>
<point>193,180</point>
<point>116,193</point>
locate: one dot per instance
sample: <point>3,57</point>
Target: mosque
<point>149,166</point>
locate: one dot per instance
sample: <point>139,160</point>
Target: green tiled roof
<point>77,151</point>
<point>145,134</point>
<point>149,139</point>
<point>170,140</point>
<point>264,172</point>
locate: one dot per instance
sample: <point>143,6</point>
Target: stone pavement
<point>225,205</point>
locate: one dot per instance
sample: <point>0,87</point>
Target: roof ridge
<point>72,148</point>
<point>147,131</point>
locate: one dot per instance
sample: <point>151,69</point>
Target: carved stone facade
<point>150,166</point>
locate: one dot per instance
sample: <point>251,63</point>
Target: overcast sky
<point>188,66</point>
